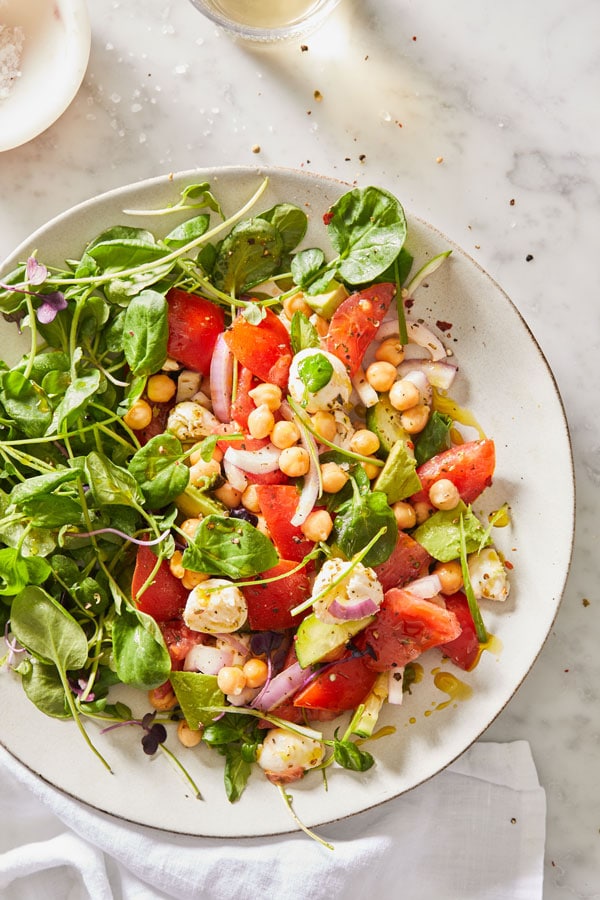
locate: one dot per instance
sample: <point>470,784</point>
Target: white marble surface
<point>483,119</point>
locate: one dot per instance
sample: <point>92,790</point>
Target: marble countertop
<point>484,120</point>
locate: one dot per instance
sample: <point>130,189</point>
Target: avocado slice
<point>375,699</point>
<point>194,503</point>
<point>325,304</point>
<point>316,639</point>
<point>384,421</point>
<point>398,478</point>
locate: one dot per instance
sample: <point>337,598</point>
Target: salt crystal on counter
<point>11,48</point>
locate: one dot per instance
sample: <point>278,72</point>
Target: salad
<point>234,477</point>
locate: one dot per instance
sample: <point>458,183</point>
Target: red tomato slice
<point>243,404</point>
<point>408,561</point>
<point>264,349</point>
<point>194,325</point>
<point>269,605</point>
<point>341,685</point>
<point>355,322</point>
<point>463,650</point>
<point>469,466</point>
<point>278,504</point>
<point>166,597</point>
<point>179,640</point>
<point>405,627</point>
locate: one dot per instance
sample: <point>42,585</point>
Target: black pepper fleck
<point>529,257</point>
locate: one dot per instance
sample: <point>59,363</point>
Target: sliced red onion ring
<point>234,475</point>
<point>419,379</point>
<point>351,610</point>
<point>426,587</point>
<point>257,462</point>
<point>311,488</point>
<point>395,691</point>
<point>281,687</point>
<point>439,374</point>
<point>420,334</point>
<point>221,380</point>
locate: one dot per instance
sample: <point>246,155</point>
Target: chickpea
<point>404,394</point>
<point>318,525</point>
<point>415,419</point>
<point>160,388</point>
<point>231,680</point>
<point>443,494</point>
<point>261,422</point>
<point>162,699</point>
<point>371,470</point>
<point>250,499</point>
<point>321,324</point>
<point>189,737</point>
<point>333,477</point>
<point>191,579</point>
<point>325,425</point>
<point>139,415</point>
<point>364,442</point>
<point>422,511</point>
<point>196,456</point>
<point>285,434</point>
<point>190,527</point>
<point>450,575</point>
<point>267,394</point>
<point>297,303</point>
<point>175,565</point>
<point>390,350</point>
<point>255,671</point>
<point>294,461</point>
<point>202,471</point>
<point>405,514</point>
<point>381,375</point>
<point>228,495</point>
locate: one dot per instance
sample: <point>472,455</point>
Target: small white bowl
<point>54,57</point>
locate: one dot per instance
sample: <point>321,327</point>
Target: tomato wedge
<point>264,349</point>
<point>165,597</point>
<point>355,322</point>
<point>179,640</point>
<point>278,504</point>
<point>407,561</point>
<point>269,605</point>
<point>404,628</point>
<point>194,325</point>
<point>469,466</point>
<point>463,650</point>
<point>243,404</point>
<point>341,685</point>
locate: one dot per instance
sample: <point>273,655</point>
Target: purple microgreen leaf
<point>36,272</point>
<point>53,304</point>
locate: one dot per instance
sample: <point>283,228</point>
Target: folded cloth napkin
<point>474,832</point>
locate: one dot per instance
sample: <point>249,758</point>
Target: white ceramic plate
<point>54,58</point>
<point>506,381</point>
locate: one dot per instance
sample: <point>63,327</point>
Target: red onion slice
<point>311,488</point>
<point>257,462</point>
<point>352,610</point>
<point>281,687</point>
<point>234,475</point>
<point>221,380</point>
<point>424,337</point>
<point>426,587</point>
<point>439,374</point>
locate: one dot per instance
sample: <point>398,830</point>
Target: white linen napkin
<point>474,832</point>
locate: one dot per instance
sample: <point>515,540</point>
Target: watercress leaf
<point>47,361</point>
<point>40,484</point>
<point>52,511</point>
<point>14,574</point>
<point>440,533</point>
<point>145,332</point>
<point>207,257</point>
<point>48,630</point>
<point>25,403</point>
<point>434,438</point>
<point>236,774</point>
<point>42,685</point>
<point>290,221</point>
<point>348,755</point>
<point>358,520</point>
<point>303,333</point>
<point>76,398</point>
<point>254,313</point>
<point>249,255</point>
<point>198,696</point>
<point>223,545</point>
<point>306,264</point>
<point>187,231</point>
<point>125,252</point>
<point>117,233</point>
<point>367,227</point>
<point>113,333</point>
<point>315,372</point>
<point>159,469</point>
<point>140,655</point>
<point>202,196</point>
<point>110,484</point>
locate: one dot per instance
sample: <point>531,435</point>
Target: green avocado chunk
<point>398,478</point>
<point>325,304</point>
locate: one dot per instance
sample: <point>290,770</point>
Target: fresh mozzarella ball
<point>216,605</point>
<point>361,583</point>
<point>334,394</point>
<point>206,659</point>
<point>284,752</point>
<point>488,576</point>
<point>189,421</point>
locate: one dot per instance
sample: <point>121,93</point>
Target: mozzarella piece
<point>361,583</point>
<point>190,421</point>
<point>333,395</point>
<point>215,605</point>
<point>488,576</point>
<point>283,751</point>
